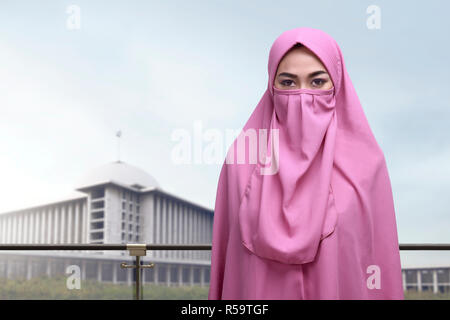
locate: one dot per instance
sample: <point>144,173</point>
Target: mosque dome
<point>120,172</point>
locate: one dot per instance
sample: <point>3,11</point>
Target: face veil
<point>286,212</point>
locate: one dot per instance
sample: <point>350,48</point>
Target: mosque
<point>114,203</point>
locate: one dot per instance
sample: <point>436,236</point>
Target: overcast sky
<point>148,68</point>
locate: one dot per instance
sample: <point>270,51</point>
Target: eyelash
<point>283,82</point>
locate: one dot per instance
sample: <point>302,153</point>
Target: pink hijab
<point>317,166</point>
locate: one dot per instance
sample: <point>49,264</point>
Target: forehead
<point>297,59</point>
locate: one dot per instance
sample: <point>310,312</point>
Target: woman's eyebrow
<point>316,73</point>
<point>294,76</point>
<point>287,74</point>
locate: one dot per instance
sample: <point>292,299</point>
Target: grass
<point>55,288</point>
<point>426,295</point>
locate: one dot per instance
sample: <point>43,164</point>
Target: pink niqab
<point>314,217</point>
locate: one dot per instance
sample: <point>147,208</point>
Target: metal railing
<point>138,250</point>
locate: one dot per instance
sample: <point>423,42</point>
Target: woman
<point>313,217</point>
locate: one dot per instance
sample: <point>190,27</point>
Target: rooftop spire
<point>118,135</point>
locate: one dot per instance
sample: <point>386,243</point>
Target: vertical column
<point>3,232</point>
<point>62,212</point>
<point>114,271</point>
<point>419,281</point>
<point>191,275</point>
<point>404,280</point>
<point>35,226</point>
<point>129,282</point>
<point>22,228</point>
<point>203,232</point>
<point>49,227</point>
<point>185,229</point>
<point>70,223</point>
<point>31,226</point>
<point>191,230</point>
<point>19,228</point>
<point>85,221</point>
<point>202,277</point>
<point>143,273</point>
<point>157,223</point>
<point>77,224</point>
<point>40,217</point>
<point>150,216</point>
<point>163,225</point>
<point>83,270</point>
<point>197,231</point>
<point>55,224</point>
<point>169,225</point>
<point>156,274</point>
<point>82,235</point>
<point>435,282</point>
<point>206,233</point>
<point>7,229</point>
<point>25,228</point>
<point>10,231</point>
<point>188,230</point>
<point>13,228</point>
<point>168,274</point>
<point>99,271</point>
<point>180,227</point>
<point>177,228</point>
<point>180,275</point>
<point>48,267</point>
<point>38,232</point>
<point>194,231</point>
<point>42,227</point>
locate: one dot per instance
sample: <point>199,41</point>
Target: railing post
<point>137,250</point>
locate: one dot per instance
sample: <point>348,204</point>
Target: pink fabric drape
<point>313,217</point>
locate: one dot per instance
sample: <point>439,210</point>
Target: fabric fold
<point>284,215</point>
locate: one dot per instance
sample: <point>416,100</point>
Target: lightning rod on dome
<point>118,135</point>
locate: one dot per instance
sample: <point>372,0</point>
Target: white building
<point>117,203</point>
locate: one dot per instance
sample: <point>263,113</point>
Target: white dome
<point>120,172</point>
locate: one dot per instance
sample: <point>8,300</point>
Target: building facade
<point>117,203</point>
<point>432,279</point>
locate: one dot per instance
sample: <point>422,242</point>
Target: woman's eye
<point>318,82</point>
<point>287,83</point>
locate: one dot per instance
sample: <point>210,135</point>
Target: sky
<point>73,73</point>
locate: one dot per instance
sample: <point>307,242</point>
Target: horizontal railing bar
<point>425,246</point>
<point>411,246</point>
<point>101,247</point>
